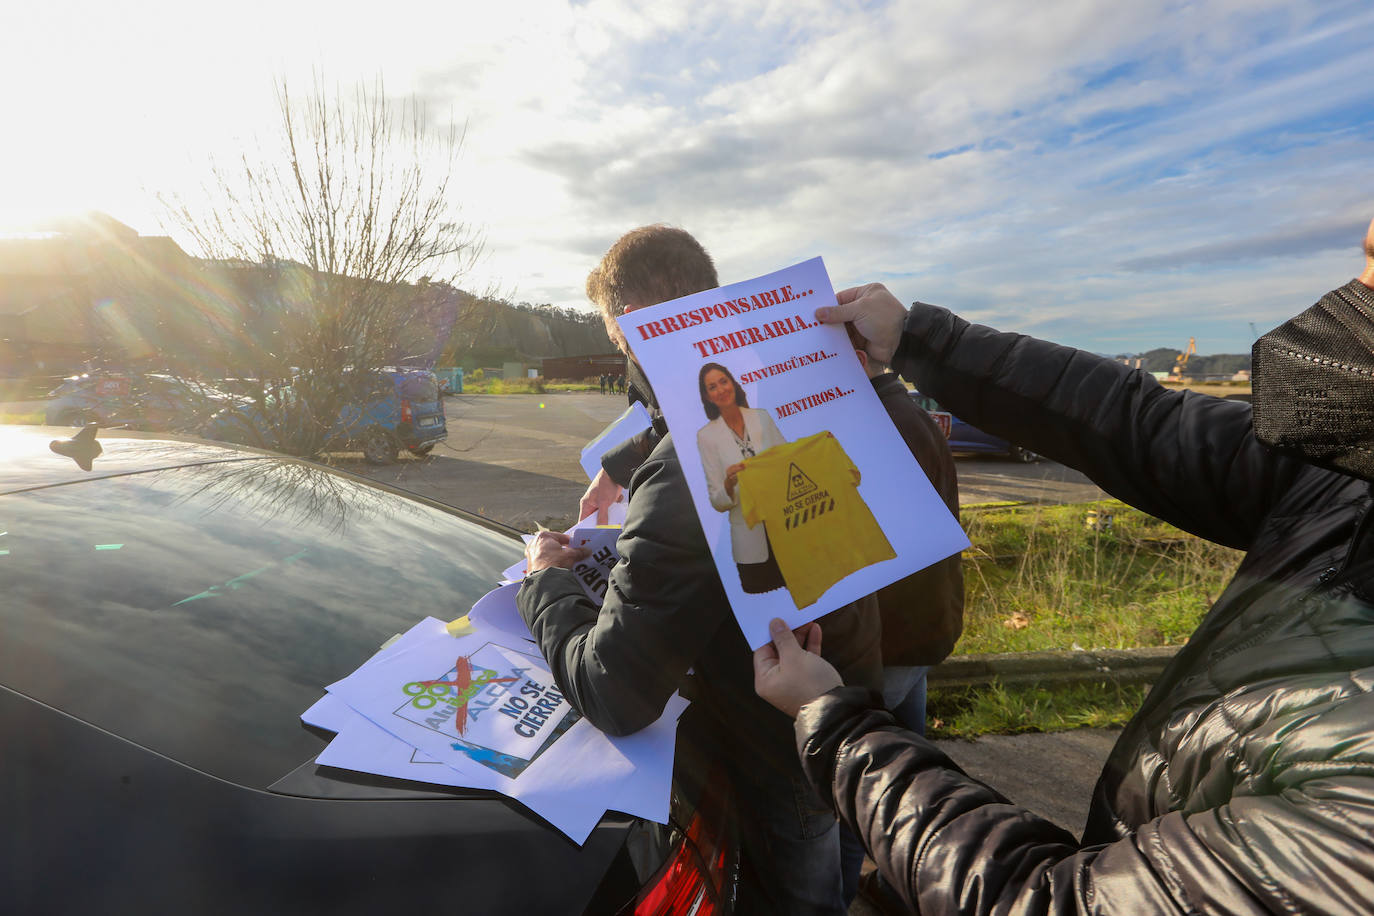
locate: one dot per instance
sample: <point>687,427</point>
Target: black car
<point>965,438</point>
<point>168,615</point>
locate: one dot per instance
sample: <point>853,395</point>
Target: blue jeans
<point>793,842</point>
<point>904,694</point>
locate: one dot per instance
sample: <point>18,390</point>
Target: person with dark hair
<point>736,431</point>
<point>1245,782</point>
<point>666,612</point>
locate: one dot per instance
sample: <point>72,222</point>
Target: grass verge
<point>1037,578</point>
<point>24,419</point>
<point>523,385</point>
<point>1040,578</point>
<point>998,710</point>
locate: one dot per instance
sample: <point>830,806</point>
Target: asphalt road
<point>514,458</point>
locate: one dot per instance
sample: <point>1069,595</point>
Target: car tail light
<point>405,412</point>
<point>697,879</point>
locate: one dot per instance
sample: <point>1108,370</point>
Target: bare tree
<point>315,249</point>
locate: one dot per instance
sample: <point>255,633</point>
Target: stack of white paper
<point>475,705</point>
<point>482,711</point>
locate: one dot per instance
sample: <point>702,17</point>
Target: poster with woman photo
<point>808,495</point>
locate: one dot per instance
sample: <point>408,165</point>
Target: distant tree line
<point>1162,359</point>
<point>565,313</point>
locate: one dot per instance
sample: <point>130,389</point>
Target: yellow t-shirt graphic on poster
<point>820,528</point>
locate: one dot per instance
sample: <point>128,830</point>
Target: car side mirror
<point>81,448</point>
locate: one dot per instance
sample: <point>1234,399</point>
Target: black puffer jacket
<point>1245,783</point>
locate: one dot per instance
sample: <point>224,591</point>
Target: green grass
<point>503,386</point>
<point>523,386</point>
<point>1036,578</point>
<point>997,710</point>
<point>24,419</point>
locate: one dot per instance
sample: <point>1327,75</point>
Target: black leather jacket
<point>1245,783</point>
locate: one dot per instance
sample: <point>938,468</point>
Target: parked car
<point>967,438</point>
<point>396,408</point>
<point>136,400</point>
<point>168,616</point>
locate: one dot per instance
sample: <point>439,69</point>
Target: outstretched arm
<point>619,663</point>
<point>950,844</point>
<point>1186,458</point>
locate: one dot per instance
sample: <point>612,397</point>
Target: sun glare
<point>34,220</point>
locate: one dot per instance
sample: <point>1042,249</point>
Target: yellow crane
<point>1181,361</point>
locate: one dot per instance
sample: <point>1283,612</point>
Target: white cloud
<point>1112,160</point>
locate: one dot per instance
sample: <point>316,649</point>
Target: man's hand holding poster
<point>807,494</point>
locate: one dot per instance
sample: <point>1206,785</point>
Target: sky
<point>1112,176</point>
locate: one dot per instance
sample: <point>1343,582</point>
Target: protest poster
<point>594,571</point>
<point>494,719</point>
<point>808,496</point>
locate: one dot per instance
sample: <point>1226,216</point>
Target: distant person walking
<point>603,383</point>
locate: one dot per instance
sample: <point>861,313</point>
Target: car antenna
<point>81,448</point>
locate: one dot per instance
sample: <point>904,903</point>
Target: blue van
<point>408,413</point>
<point>401,408</point>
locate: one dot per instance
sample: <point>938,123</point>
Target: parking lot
<point>514,458</point>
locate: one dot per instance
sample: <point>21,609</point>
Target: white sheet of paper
<point>633,420</point>
<point>589,773</point>
<point>516,571</point>
<point>366,747</point>
<point>805,378</point>
<point>330,712</point>
<point>615,515</point>
<point>363,745</point>
<point>496,611</point>
<point>496,706</point>
<point>647,793</point>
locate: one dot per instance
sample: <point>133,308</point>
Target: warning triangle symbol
<point>798,484</point>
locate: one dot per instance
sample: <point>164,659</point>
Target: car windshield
<point>199,611</point>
